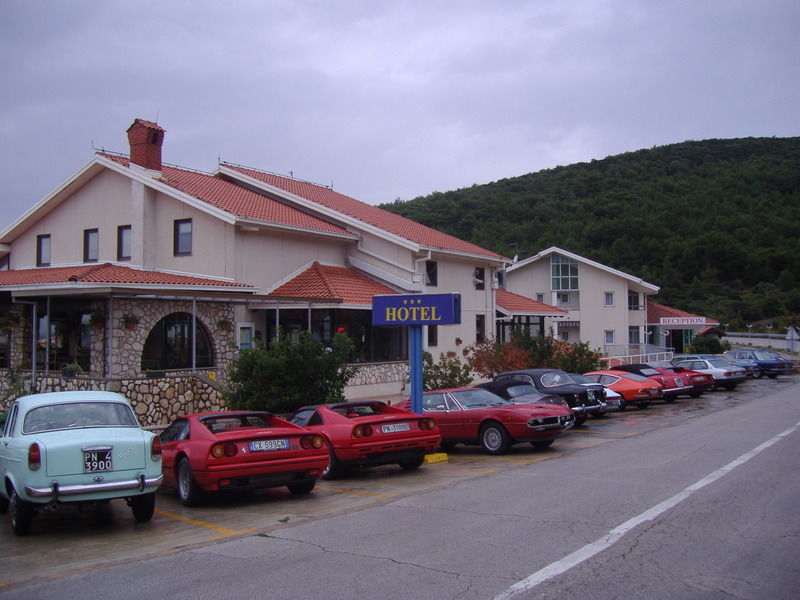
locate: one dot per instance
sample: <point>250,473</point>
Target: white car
<point>725,374</point>
<point>76,447</point>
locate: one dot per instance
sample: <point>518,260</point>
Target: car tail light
<point>427,424</point>
<point>227,449</point>
<point>155,448</point>
<point>312,441</point>
<point>34,457</point>
<point>362,431</point>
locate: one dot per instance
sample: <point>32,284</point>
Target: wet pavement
<point>67,541</point>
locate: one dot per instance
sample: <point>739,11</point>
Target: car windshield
<point>634,377</point>
<point>478,398</point>
<point>519,389</point>
<point>766,355</point>
<point>720,363</point>
<point>77,415</point>
<point>226,422</point>
<point>555,378</point>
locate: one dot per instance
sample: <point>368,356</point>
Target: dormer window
<point>91,245</point>
<point>183,237</point>
<point>43,250</point>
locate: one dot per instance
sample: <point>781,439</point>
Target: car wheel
<point>143,506</point>
<point>335,468</point>
<point>21,514</point>
<point>758,374</point>
<point>643,404</point>
<point>189,492</point>
<point>623,405</point>
<point>580,420</point>
<point>546,444</point>
<point>730,386</point>
<point>3,505</point>
<point>771,375</point>
<point>298,489</point>
<point>414,463</point>
<point>494,438</point>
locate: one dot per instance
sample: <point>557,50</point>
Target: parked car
<point>76,448</point>
<point>751,369</point>
<point>369,433</point>
<point>521,392</point>
<point>581,399</point>
<point>473,415</point>
<point>770,362</point>
<point>239,450</point>
<point>701,382</point>
<point>613,400</point>
<point>636,389</point>
<point>673,384</point>
<point>724,373</point>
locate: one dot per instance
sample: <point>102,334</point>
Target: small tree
<point>706,344</point>
<point>449,372</point>
<point>286,374</point>
<point>490,357</point>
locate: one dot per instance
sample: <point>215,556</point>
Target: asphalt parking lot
<point>68,541</point>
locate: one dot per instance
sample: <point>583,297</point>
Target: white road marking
<point>605,542</point>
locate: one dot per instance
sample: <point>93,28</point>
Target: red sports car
<point>636,389</point>
<point>477,416</point>
<point>701,382</point>
<point>673,384</point>
<point>369,433</point>
<point>236,450</point>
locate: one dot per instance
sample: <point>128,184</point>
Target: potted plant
<point>224,324</point>
<point>129,321</point>
<point>71,369</point>
<point>97,320</point>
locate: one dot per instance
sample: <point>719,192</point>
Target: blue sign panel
<point>416,309</point>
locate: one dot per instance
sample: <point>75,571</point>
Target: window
<point>169,344</point>
<point>42,250</point>
<point>563,298</point>
<point>609,336</point>
<point>183,237</point>
<point>480,328</point>
<point>246,336</point>
<point>479,278</point>
<point>5,262</point>
<point>564,334</point>
<point>433,336</point>
<point>564,273</point>
<point>608,298</point>
<point>540,298</point>
<point>633,335</point>
<point>431,273</point>
<point>124,233</point>
<point>91,243</point>
<point>633,301</point>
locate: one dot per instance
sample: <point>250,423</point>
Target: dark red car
<point>369,433</point>
<point>238,450</point>
<point>674,384</point>
<point>473,415</point>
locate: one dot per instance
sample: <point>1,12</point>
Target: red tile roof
<point>372,215</point>
<point>336,283</point>
<point>656,311</point>
<point>235,199</point>
<point>109,274</point>
<point>522,305</point>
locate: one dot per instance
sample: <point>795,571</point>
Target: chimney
<point>145,139</point>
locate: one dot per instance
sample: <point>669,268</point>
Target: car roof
<point>34,400</point>
<point>341,404</point>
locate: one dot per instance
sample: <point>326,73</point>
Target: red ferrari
<point>637,389</point>
<point>477,416</point>
<point>369,433</point>
<point>238,450</point>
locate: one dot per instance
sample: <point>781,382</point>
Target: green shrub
<point>449,372</point>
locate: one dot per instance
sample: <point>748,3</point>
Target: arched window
<point>169,344</point>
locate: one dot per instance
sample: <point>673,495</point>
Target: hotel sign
<point>416,309</point>
<point>682,321</point>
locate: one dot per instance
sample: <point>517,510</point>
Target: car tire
<point>494,438</point>
<point>189,492</point>
<point>21,514</point>
<point>3,505</point>
<point>541,445</point>
<point>729,386</point>
<point>411,464</point>
<point>623,405</point>
<point>335,468</point>
<point>643,404</point>
<point>771,375</point>
<point>758,374</point>
<point>580,420</point>
<point>143,506</point>
<point>298,489</point>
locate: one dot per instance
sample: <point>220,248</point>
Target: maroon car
<point>674,384</point>
<point>473,415</point>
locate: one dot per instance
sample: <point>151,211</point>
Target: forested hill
<point>714,223</point>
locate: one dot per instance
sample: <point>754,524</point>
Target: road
<point>692,500</point>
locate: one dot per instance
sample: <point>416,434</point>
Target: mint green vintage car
<point>75,447</point>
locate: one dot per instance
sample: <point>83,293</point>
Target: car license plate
<point>97,460</point>
<point>267,445</point>
<point>395,427</point>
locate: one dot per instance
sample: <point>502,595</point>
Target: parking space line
<point>225,531</point>
<point>356,492</point>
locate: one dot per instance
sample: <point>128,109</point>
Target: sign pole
<point>415,366</point>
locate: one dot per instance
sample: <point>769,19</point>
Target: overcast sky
<point>382,99</point>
